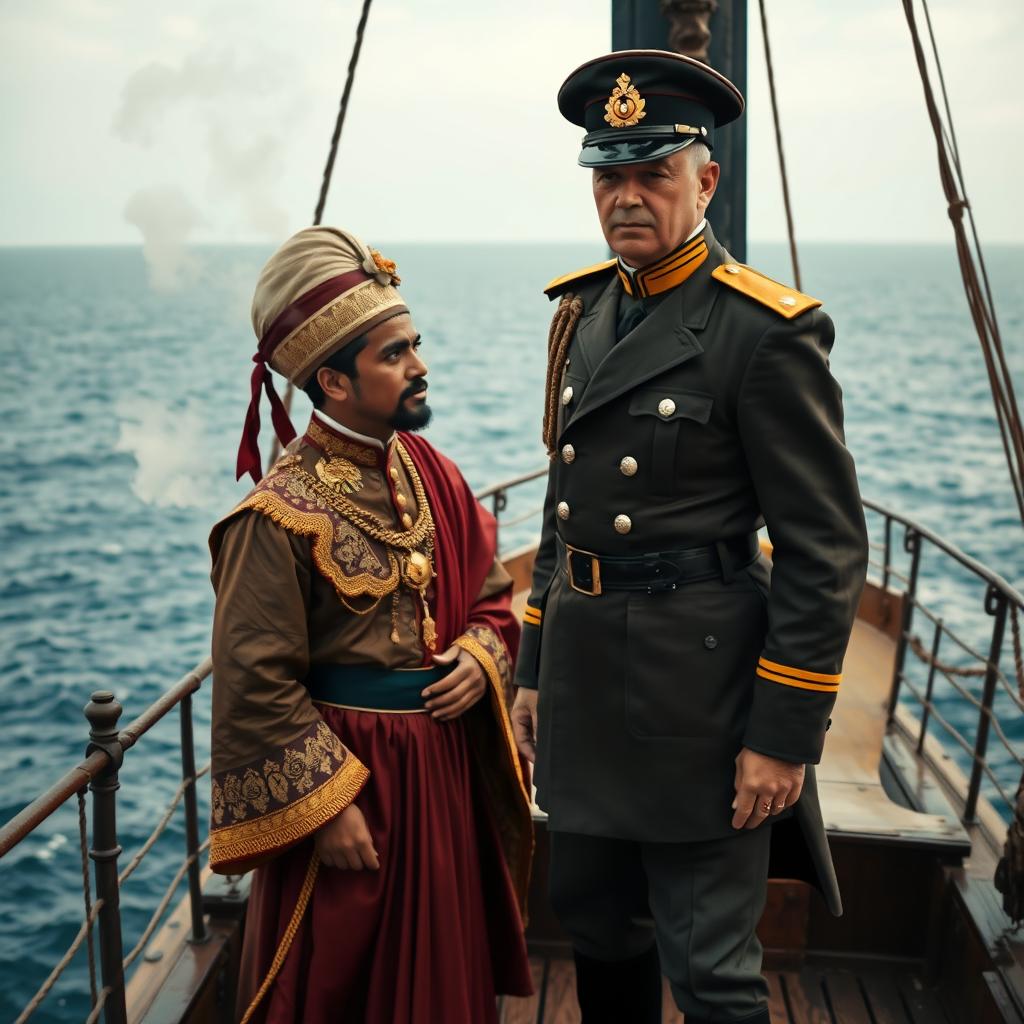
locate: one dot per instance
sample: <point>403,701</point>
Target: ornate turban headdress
<point>322,289</point>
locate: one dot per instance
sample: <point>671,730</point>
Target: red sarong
<point>401,945</point>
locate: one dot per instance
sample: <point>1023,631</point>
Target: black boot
<point>619,991</point>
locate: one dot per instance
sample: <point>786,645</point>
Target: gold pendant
<point>417,570</point>
<point>429,630</point>
<point>340,474</point>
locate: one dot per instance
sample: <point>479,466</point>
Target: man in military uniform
<point>684,685</point>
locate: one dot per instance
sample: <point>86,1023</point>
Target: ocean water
<point>121,410</point>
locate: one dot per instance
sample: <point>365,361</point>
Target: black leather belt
<point>659,571</point>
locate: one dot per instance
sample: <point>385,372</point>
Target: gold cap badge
<point>625,107</point>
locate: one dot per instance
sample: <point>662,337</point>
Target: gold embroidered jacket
<point>298,583</point>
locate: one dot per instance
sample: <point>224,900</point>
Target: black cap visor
<point>605,152</point>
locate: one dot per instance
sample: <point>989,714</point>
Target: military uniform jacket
<point>715,416</point>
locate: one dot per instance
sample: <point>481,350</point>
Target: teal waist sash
<point>371,688</point>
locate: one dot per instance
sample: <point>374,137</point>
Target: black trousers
<point>700,902</point>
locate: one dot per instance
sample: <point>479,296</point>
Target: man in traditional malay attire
<point>683,701</point>
<point>363,761</point>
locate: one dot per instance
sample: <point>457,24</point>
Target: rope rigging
<point>325,185</point>
<point>972,263</point>
<point>778,147</point>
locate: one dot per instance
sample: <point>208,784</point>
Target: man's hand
<point>764,786</point>
<point>345,842</point>
<point>460,689</point>
<point>524,723</point>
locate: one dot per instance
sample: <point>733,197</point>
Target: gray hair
<point>699,155</point>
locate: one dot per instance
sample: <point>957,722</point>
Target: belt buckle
<point>595,571</point>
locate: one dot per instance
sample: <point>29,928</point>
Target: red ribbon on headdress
<point>249,449</point>
<point>286,322</point>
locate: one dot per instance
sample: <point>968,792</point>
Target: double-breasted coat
<point>714,416</point>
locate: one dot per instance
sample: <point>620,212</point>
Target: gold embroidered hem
<point>515,829</point>
<point>233,845</point>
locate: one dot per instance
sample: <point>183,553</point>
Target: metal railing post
<point>188,772</point>
<point>499,502</point>
<point>995,604</point>
<point>912,545</point>
<point>927,706</point>
<point>887,555</point>
<point>103,712</point>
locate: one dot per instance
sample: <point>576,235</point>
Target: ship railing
<point>98,774</point>
<point>969,676</point>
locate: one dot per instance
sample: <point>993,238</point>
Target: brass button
<point>567,395</point>
<point>394,474</point>
<point>623,524</point>
<point>568,453</point>
<point>787,300</point>
<point>731,268</point>
<point>666,407</point>
<point>406,520</point>
<point>627,467</point>
<point>402,500</point>
<point>562,508</point>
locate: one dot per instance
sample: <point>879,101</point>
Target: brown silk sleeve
<point>483,641</point>
<point>279,773</point>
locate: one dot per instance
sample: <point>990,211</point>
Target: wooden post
<point>103,712</point>
<point>715,32</point>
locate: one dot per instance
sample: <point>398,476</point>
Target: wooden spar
<point>715,33</point>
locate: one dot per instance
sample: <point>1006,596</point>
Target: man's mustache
<point>416,387</point>
<point>621,219</point>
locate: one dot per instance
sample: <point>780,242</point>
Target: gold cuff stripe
<point>821,687</point>
<point>799,673</point>
<point>520,871</point>
<point>270,832</point>
<point>533,615</point>
<point>487,663</point>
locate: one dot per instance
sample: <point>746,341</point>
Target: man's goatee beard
<point>411,419</point>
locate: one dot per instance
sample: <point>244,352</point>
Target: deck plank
<point>776,1000</point>
<point>560,1006</point>
<point>514,1010</point>
<point>844,993</point>
<point>922,1003</point>
<point>806,999</point>
<point>884,997</point>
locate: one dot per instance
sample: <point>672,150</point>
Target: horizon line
<point>889,243</point>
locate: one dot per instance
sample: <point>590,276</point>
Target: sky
<point>210,121</point>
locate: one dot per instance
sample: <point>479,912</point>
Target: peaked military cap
<point>640,105</point>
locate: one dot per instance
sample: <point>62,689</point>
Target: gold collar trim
<point>669,272</point>
<point>330,442</point>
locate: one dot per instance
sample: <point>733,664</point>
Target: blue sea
<point>121,410</point>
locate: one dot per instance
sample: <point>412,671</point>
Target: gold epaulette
<point>559,284</point>
<point>787,302</point>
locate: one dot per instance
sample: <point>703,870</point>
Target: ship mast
<point>716,33</point>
